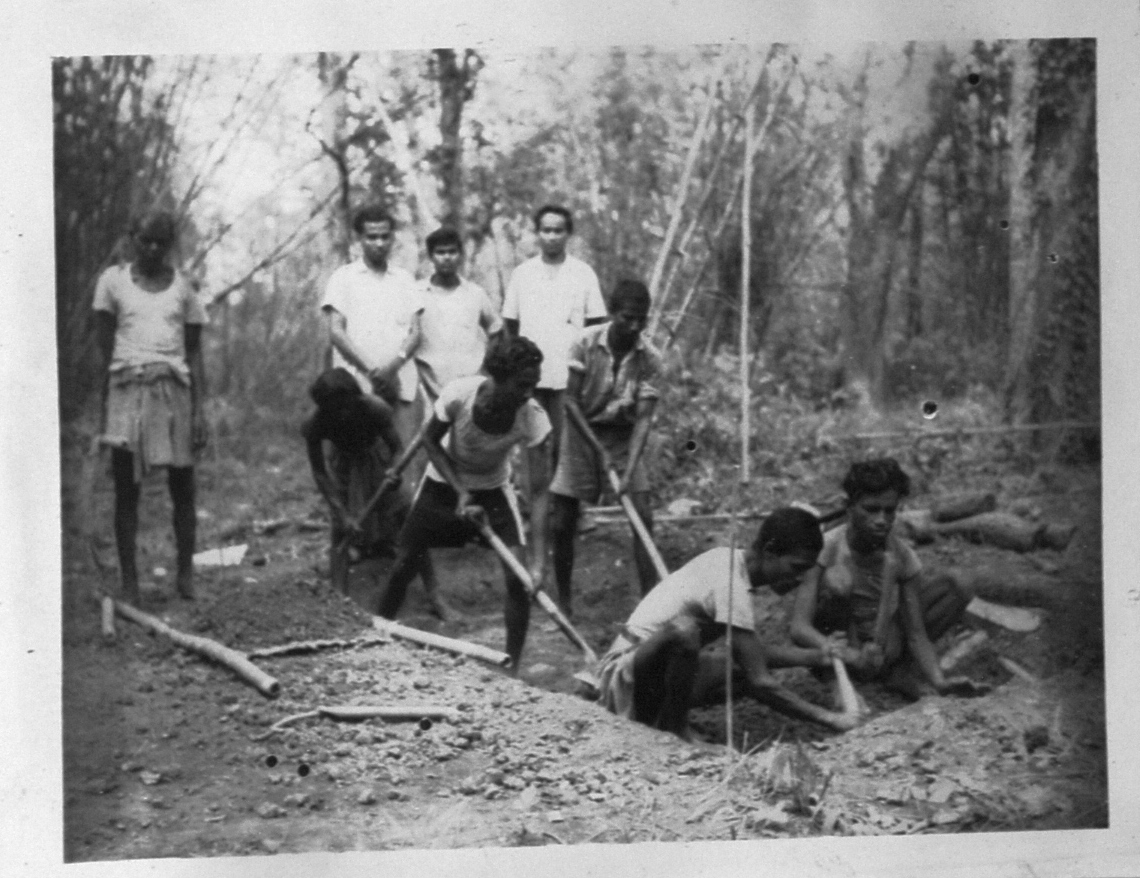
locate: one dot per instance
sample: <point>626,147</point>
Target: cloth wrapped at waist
<point>150,414</point>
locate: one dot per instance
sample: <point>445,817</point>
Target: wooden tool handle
<point>536,594</point>
<point>847,694</point>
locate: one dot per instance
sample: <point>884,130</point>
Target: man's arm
<point>316,455</point>
<point>640,435</point>
<point>915,629</point>
<point>338,336</point>
<point>384,421</point>
<point>433,436</point>
<point>804,633</point>
<point>193,339</point>
<point>759,684</point>
<point>511,326</point>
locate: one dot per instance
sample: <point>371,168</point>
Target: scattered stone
<point>150,778</point>
<point>270,845</point>
<point>297,800</point>
<point>555,816</point>
<point>270,810</point>
<point>130,767</point>
<point>1035,738</point>
<point>366,797</point>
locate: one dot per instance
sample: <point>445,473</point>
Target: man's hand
<point>384,384</point>
<point>537,573</point>
<point>199,430</point>
<point>869,658</point>
<point>963,686</point>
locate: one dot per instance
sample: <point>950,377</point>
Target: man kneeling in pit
<point>651,671</point>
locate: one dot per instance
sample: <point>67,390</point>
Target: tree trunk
<point>456,87</point>
<point>877,214</point>
<point>1053,361</point>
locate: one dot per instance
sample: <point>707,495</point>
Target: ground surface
<point>162,756</point>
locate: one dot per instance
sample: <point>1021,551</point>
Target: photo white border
<point>31,33</point>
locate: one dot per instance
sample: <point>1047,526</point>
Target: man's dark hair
<point>556,209</point>
<point>443,237</point>
<point>156,224</point>
<point>333,384</point>
<point>789,530</point>
<point>873,477</point>
<point>371,213</point>
<point>629,292</point>
<point>509,355</point>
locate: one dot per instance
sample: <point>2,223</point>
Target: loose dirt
<point>165,754</point>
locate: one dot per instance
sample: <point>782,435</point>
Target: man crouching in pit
<point>651,671</point>
<point>869,599</point>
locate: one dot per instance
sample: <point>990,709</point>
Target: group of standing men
<point>431,363</point>
<point>471,385</point>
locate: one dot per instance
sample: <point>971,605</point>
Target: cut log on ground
<point>438,641</point>
<point>962,650</point>
<point>237,662</point>
<point>1013,618</point>
<point>962,506</point>
<point>997,529</point>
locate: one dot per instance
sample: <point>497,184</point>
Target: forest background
<point>923,222</point>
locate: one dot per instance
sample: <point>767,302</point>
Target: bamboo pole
<point>745,283</point>
<point>438,641</point>
<point>237,662</point>
<point>695,144</point>
<point>966,431</point>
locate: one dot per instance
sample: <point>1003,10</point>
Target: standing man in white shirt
<point>458,317</point>
<point>373,311</point>
<point>550,299</point>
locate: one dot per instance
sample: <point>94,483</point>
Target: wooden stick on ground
<point>237,662</point>
<point>107,608</point>
<point>358,712</point>
<point>449,644</point>
<point>303,646</point>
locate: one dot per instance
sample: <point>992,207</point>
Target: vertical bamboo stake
<point>745,283</point>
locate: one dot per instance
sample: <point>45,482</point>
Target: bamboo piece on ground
<point>107,610</point>
<point>390,712</point>
<point>237,662</point>
<point>358,712</point>
<point>449,644</point>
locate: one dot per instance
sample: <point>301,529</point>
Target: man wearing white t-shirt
<point>373,312</point>
<point>550,299</point>
<point>458,317</point>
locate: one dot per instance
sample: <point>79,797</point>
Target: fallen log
<point>1009,532</point>
<point>449,644</point>
<point>962,506</point>
<point>1013,618</point>
<point>237,662</point>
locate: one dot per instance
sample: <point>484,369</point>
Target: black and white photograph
<point>624,447</point>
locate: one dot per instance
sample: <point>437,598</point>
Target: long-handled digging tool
<point>478,518</point>
<point>639,527</point>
